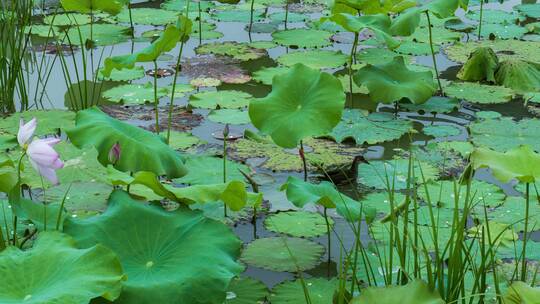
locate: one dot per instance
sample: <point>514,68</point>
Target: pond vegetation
<point>270,151</point>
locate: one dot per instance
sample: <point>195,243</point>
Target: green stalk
<point>329,244</point>
<point>433,52</point>
<point>251,17</point>
<point>480,21</point>
<point>303,157</point>
<point>156,101</point>
<point>225,136</point>
<point>525,236</point>
<point>59,217</point>
<point>131,20</point>
<point>200,22</point>
<point>351,62</point>
<point>286,13</point>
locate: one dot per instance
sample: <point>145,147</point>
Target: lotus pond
<point>270,151</point>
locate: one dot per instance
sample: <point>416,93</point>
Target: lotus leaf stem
<point>433,52</point>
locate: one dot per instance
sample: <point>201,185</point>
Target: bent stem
<point>286,12</point>
<point>303,157</point>
<point>155,96</point>
<point>433,53</point>
<point>251,18</point>
<point>523,254</point>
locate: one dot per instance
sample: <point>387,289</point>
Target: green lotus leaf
<point>406,23</point>
<point>519,75</point>
<point>440,155</point>
<point>207,170</point>
<point>321,291</point>
<point>380,201</point>
<point>302,38</point>
<point>67,19</point>
<point>499,234</point>
<point>505,134</point>
<point>456,24</point>
<point>297,223</point>
<point>100,34</point>
<point>141,150</point>
<point>505,49</point>
<point>479,93</point>
<point>416,48</point>
<point>493,16</point>
<point>238,15</point>
<point>481,66</point>
<point>530,10</point>
<point>503,31</point>
<point>446,8</point>
<point>180,5</point>
<point>85,273</point>
<point>441,130</point>
<point>435,104</point>
<point>291,17</point>
<point>112,7</point>
<point>49,121</point>
<point>246,291</point>
<point>378,24</point>
<point>415,292</point>
<point>148,16</point>
<point>134,94</point>
<point>229,116</point>
<point>512,212</point>
<point>123,75</point>
<point>393,174</point>
<point>521,292</point>
<point>440,35</point>
<point>442,194</point>
<point>178,256</point>
<point>240,51</point>
<point>8,174</point>
<point>315,59</point>
<point>265,75</point>
<point>301,193</point>
<point>283,254</point>
<point>346,84</point>
<point>45,31</point>
<point>226,99</point>
<point>393,81</point>
<point>371,129</point>
<point>83,198</point>
<point>376,56</point>
<point>183,140</point>
<point>304,102</point>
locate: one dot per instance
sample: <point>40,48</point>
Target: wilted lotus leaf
<point>201,82</point>
<point>522,76</point>
<point>481,66</point>
<point>166,255</point>
<point>240,51</point>
<point>393,81</point>
<point>224,68</point>
<point>416,292</point>
<point>302,38</point>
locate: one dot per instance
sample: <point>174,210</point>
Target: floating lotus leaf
<point>530,10</point>
<point>481,66</point>
<point>177,255</point>
<point>134,94</point>
<point>44,31</point>
<point>229,116</point>
<point>49,121</point>
<point>124,74</point>
<point>246,291</point>
<point>265,75</point>
<point>346,84</point>
<point>283,254</point>
<point>441,130</point>
<point>442,194</point>
<point>435,104</point>
<point>85,273</point>
<point>260,27</point>
<point>183,140</point>
<point>83,198</point>
<point>67,19</point>
<point>240,51</point>
<point>503,31</point>
<point>512,212</point>
<point>302,38</point>
<point>440,35</point>
<point>519,75</point>
<point>376,174</point>
<point>148,16</point>
<point>371,129</point>
<point>220,99</point>
<point>100,34</point>
<point>316,59</point>
<point>416,292</point>
<point>207,170</point>
<point>505,134</point>
<point>376,56</point>
<point>297,223</point>
<point>205,82</point>
<point>380,201</point>
<point>292,17</point>
<point>238,15</point>
<point>505,49</point>
<point>488,115</point>
<point>321,291</point>
<point>449,162</point>
<point>180,5</point>
<point>479,93</point>
<point>393,81</point>
<point>301,193</point>
<point>112,7</point>
<point>141,150</point>
<point>456,24</point>
<point>416,48</point>
<point>303,102</point>
<point>500,234</point>
<point>493,16</point>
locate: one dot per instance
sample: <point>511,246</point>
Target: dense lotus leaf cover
<point>49,121</point>
<point>416,292</point>
<point>56,271</point>
<point>443,194</point>
<point>304,102</point>
<point>141,150</point>
<point>178,255</point>
<point>481,66</point>
<point>393,81</point>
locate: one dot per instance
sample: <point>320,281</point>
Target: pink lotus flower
<point>40,152</point>
<point>114,153</point>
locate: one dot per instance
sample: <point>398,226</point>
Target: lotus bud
<point>226,132</point>
<point>26,131</point>
<point>114,153</point>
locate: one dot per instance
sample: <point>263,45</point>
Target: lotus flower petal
<point>26,131</point>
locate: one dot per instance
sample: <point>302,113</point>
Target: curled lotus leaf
<point>519,75</point>
<point>481,66</point>
<point>521,292</point>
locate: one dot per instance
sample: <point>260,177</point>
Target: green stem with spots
<point>433,52</point>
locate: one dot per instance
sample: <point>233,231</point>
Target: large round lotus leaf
<point>371,129</point>
<point>441,130</point>
<point>521,292</point>
<point>505,49</point>
<point>503,31</point>
<point>479,93</point>
<point>41,30</point>
<point>133,94</point>
<point>283,254</point>
<point>262,27</point>
<point>238,15</point>
<point>178,256</point>
<point>435,104</point>
<point>265,75</point>
<point>302,38</point>
<point>512,212</point>
<point>415,48</point>
<point>380,201</point>
<point>500,234</point>
<point>519,75</point>
<point>220,99</point>
<point>493,16</point>
<point>240,51</point>
<point>83,198</point>
<point>393,81</point>
<point>67,19</point>
<point>416,292</point>
<point>148,16</point>
<point>183,140</point>
<point>481,66</point>
<point>206,170</point>
<point>316,59</point>
<point>504,134</point>
<point>440,35</point>
<point>304,102</point>
<point>229,116</point>
<point>246,291</point>
<point>321,291</point>
<point>141,150</point>
<point>101,34</point>
<point>442,194</point>
<point>56,271</point>
<point>456,24</point>
<point>297,223</point>
<point>123,74</point>
<point>49,121</point>
<point>376,56</point>
<point>377,174</point>
<point>529,10</point>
